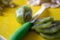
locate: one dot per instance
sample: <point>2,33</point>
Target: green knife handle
<point>20,33</point>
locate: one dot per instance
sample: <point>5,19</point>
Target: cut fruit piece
<point>24,14</point>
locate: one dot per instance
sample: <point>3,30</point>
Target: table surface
<point>8,23</point>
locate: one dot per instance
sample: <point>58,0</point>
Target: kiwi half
<point>25,14</point>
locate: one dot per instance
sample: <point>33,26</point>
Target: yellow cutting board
<point>8,23</point>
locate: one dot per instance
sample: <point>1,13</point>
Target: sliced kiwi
<point>25,14</point>
<point>49,36</point>
<point>53,29</point>
<point>48,28</point>
<point>44,20</point>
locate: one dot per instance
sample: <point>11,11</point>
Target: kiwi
<point>50,37</point>
<point>48,28</point>
<point>25,14</point>
<point>44,20</point>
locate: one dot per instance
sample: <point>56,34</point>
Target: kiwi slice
<point>52,29</point>
<point>51,36</point>
<point>44,20</point>
<point>24,15</point>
